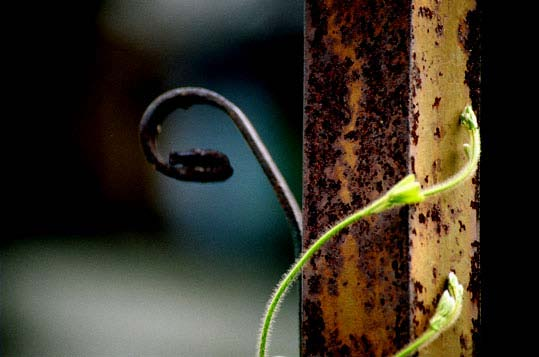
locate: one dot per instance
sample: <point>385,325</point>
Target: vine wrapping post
<point>384,82</point>
<point>381,79</point>
<point>406,191</point>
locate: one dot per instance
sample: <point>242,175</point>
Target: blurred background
<point>105,256</point>
<point>100,255</point>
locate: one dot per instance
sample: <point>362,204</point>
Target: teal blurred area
<point>102,256</point>
<point>128,297</point>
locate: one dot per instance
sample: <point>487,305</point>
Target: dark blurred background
<point>100,255</point>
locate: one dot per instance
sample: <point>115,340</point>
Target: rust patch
<point>439,30</point>
<point>354,341</point>
<point>415,126</point>
<point>418,287</point>
<point>312,328</point>
<point>435,213</point>
<point>470,40</point>
<point>344,351</point>
<point>356,142</point>
<point>425,12</point>
<point>313,284</point>
<point>463,343</point>
<point>474,284</point>
<point>333,287</point>
<point>416,77</point>
<point>367,345</point>
<point>436,103</point>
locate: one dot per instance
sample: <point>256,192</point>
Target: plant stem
<point>423,340</point>
<point>447,312</point>
<point>406,191</point>
<point>283,286</point>
<point>469,120</point>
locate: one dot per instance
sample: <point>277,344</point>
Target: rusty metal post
<point>385,82</point>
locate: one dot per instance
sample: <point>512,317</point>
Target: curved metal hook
<point>209,165</point>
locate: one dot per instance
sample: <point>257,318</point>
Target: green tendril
<point>447,312</point>
<point>406,191</point>
<point>472,151</point>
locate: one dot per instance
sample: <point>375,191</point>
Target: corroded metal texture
<point>384,83</point>
<point>356,145</point>
<point>444,230</point>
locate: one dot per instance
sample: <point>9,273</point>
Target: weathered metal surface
<point>356,145</point>
<point>384,84</point>
<point>444,230</point>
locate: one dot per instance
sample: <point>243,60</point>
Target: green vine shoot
<point>407,191</point>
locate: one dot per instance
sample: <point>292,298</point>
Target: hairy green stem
<point>473,151</point>
<point>447,312</point>
<point>295,269</point>
<point>406,191</point>
<point>421,341</point>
